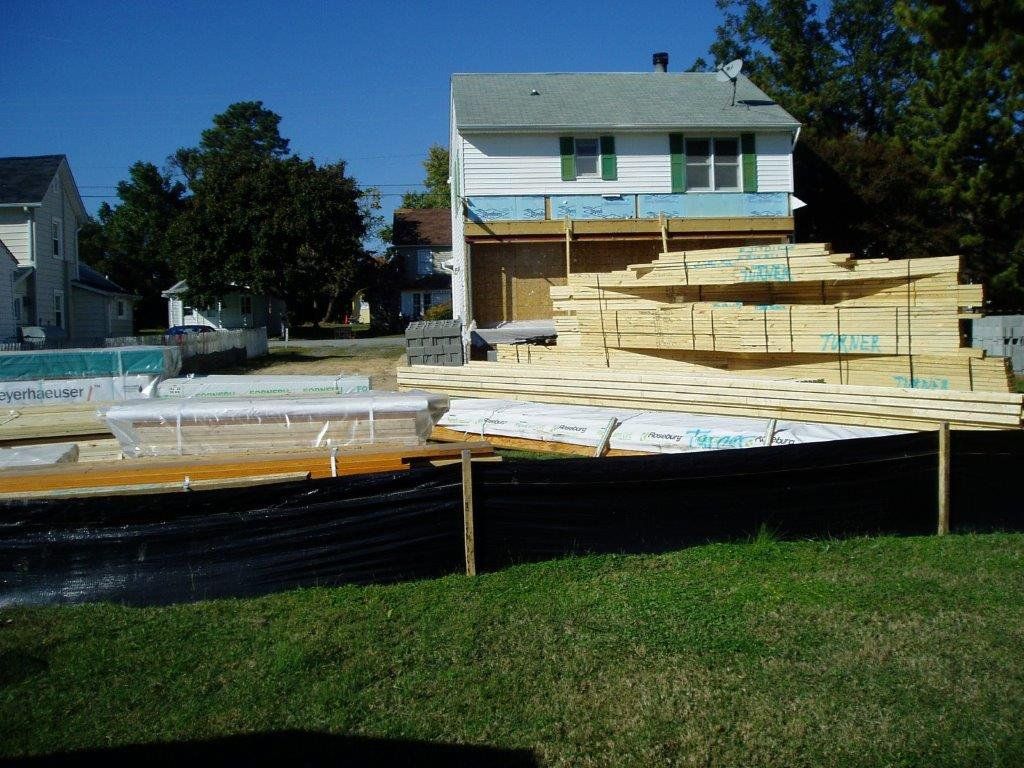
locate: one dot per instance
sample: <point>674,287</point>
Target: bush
<point>438,312</point>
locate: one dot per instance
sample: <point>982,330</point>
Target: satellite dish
<point>727,73</point>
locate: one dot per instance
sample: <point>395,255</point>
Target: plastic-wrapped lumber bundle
<point>45,455</point>
<point>162,427</point>
<point>225,387</point>
<point>89,363</point>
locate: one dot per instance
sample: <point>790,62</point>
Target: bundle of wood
<point>181,427</point>
<point>725,395</point>
<point>787,311</point>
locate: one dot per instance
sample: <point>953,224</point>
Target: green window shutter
<point>609,163</point>
<point>568,150</point>
<point>749,149</point>
<point>677,151</point>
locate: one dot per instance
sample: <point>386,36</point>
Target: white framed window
<point>57,238</point>
<point>121,309</point>
<point>588,157</point>
<point>424,261</point>
<point>58,308</point>
<point>417,305</point>
<point>17,310</point>
<point>713,164</point>
<point>246,305</point>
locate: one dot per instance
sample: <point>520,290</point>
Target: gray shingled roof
<point>26,179</point>
<point>90,278</point>
<point>644,100</point>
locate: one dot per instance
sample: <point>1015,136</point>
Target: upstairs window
<point>424,261</point>
<point>587,154</point>
<point>713,165</point>
<point>57,237</point>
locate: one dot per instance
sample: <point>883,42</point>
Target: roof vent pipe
<point>661,62</point>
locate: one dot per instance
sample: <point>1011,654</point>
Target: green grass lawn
<point>864,652</point>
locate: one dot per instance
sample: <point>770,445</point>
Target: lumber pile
<point>190,427</point>
<point>157,475</point>
<point>885,407</point>
<point>776,311</point>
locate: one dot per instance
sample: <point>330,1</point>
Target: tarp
<point>649,431</point>
<point>182,546</point>
<point>162,427</point>
<point>99,389</point>
<point>88,363</point>
<point>222,387</point>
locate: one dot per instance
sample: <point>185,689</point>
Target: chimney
<point>661,62</point>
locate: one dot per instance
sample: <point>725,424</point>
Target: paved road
<point>374,341</point>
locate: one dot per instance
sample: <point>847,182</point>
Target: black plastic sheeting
<point>658,503</point>
<point>164,548</point>
<point>383,528</point>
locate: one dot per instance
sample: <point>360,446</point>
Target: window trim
<point>120,309</point>
<point>242,300</point>
<point>712,163</point>
<point>62,311</point>
<point>57,228</point>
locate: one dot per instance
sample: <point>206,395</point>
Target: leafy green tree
<point>966,120</point>
<point>438,192</point>
<point>129,242</point>
<point>265,221</point>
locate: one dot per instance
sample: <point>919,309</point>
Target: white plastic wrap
<point>227,387</point>
<point>21,456</point>
<point>162,427</point>
<point>649,431</point>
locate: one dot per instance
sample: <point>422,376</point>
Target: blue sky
<point>111,83</point>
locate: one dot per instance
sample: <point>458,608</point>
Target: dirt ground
<point>379,363</point>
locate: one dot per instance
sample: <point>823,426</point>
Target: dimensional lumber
<point>725,395</point>
<point>164,427</point>
<point>444,434</point>
<point>318,464</point>
<point>786,311</point>
<point>968,370</point>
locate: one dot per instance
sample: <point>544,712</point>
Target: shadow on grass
<point>305,748</point>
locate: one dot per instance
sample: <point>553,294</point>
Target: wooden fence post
<point>943,478</point>
<point>468,534</point>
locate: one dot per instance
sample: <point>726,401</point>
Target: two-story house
<point>559,173</point>
<point>41,212</point>
<point>422,240</point>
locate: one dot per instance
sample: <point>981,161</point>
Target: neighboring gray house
<point>235,310</point>
<point>41,212</point>
<point>422,240</point>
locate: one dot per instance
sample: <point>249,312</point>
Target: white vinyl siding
<point>531,165</point>
<point>774,162</point>
<point>15,232</point>
<point>498,164</point>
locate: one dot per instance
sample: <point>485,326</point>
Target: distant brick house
<point>422,240</point>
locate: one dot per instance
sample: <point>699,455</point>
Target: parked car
<point>188,330</point>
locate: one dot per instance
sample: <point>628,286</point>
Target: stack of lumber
<point>159,475</point>
<point>786,311</point>
<point>726,395</point>
<point>35,422</point>
<point>188,427</point>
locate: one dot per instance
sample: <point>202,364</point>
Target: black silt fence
<point>177,547</point>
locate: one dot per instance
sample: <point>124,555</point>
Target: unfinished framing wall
<point>512,280</point>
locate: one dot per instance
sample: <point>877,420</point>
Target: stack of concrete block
<point>1001,335</point>
<point>436,342</point>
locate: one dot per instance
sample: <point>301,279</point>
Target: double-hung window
<point>57,237</point>
<point>713,164</point>
<point>58,308</point>
<point>587,153</point>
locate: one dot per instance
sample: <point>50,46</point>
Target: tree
<point>438,192</point>
<point>264,221</point>
<point>129,242</point>
<point>966,120</point>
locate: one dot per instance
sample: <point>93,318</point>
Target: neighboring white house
<point>8,270</point>
<point>422,239</point>
<point>41,212</point>
<point>230,312</point>
<point>615,165</point>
